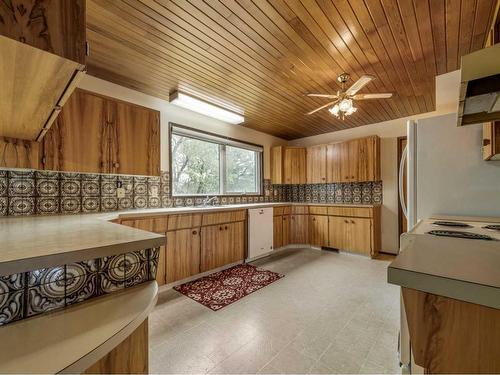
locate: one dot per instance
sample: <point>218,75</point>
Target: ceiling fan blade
<point>331,96</point>
<point>359,84</point>
<point>385,95</point>
<point>323,106</point>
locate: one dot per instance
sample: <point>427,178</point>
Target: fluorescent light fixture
<point>201,106</point>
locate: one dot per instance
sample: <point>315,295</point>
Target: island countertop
<point>31,242</point>
<point>465,270</point>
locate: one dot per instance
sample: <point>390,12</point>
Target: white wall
<point>172,113</point>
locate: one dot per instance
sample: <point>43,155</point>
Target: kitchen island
<point>451,294</point>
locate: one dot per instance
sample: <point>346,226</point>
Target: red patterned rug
<point>222,288</point>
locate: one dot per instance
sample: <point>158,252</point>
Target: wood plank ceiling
<point>263,55</point>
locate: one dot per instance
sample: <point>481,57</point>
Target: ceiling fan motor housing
<point>343,78</point>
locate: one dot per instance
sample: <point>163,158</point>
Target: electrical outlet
<point>120,192</point>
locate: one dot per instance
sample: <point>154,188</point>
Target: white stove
<point>465,228</point>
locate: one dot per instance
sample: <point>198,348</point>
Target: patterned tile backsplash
<point>30,192</point>
<point>30,293</point>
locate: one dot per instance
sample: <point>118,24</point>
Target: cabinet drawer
<point>183,221</point>
<point>317,210</point>
<point>144,224</point>
<point>351,211</point>
<point>300,210</point>
<point>223,217</point>
<point>283,210</point>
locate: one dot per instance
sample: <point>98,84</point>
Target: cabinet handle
<point>352,221</point>
<point>195,232</point>
<point>346,177</point>
<point>116,165</point>
<point>225,227</point>
<point>352,176</point>
<point>314,219</point>
<point>346,221</point>
<point>220,228</point>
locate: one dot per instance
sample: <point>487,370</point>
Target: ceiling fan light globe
<point>335,110</point>
<point>351,110</point>
<point>345,105</point>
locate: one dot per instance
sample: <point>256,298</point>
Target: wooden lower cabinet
<point>286,230</point>
<point>318,230</point>
<point>354,234</point>
<point>161,276</point>
<point>182,257</point>
<point>299,229</point>
<point>277,232</point>
<point>222,244</point>
<point>337,232</point>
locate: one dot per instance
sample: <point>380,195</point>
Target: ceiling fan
<point>342,105</point>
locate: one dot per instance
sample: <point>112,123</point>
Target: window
<point>206,164</point>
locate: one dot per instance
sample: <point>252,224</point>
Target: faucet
<point>208,200</point>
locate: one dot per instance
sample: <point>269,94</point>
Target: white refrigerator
<point>445,175</point>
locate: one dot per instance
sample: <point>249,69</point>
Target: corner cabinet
<point>288,165</point>
<point>97,134</point>
<point>43,49</point>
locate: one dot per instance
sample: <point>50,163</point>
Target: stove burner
<point>452,224</point>
<point>492,226</point>
<point>457,234</point>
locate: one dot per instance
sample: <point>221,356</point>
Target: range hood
<point>479,99</point>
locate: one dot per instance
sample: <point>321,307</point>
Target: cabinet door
<point>235,240</point>
<point>17,153</point>
<point>345,164</point>
<point>318,230</point>
<point>212,239</point>
<point>294,165</point>
<point>368,159</point>
<point>299,229</point>
<point>161,270</point>
<point>277,165</point>
<point>359,235</point>
<point>316,164</point>
<point>136,139</point>
<point>277,232</point>
<point>182,254</point>
<point>333,163</point>
<point>222,244</point>
<point>338,232</point>
<point>78,141</point>
<point>54,26</point>
<point>286,230</point>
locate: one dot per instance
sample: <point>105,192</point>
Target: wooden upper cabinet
<point>79,139</point>
<point>96,134</point>
<point>316,164</point>
<point>135,145</point>
<point>288,165</point>
<point>18,153</point>
<point>333,163</point>
<point>368,159</point>
<point>360,160</point>
<point>43,47</point>
<point>294,165</point>
<point>277,165</point>
<point>55,26</point>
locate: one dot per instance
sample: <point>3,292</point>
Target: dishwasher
<point>260,232</point>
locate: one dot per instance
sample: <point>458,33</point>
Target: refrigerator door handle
<point>401,175</point>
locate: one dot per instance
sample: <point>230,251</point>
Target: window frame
<point>222,142</point>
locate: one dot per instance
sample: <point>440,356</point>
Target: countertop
<point>73,339</point>
<point>466,270</point>
<point>31,242</point>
